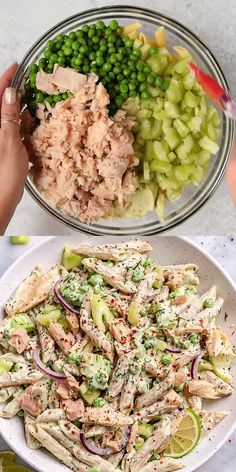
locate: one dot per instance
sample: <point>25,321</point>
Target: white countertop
<point>223,249</point>
<point>23,22</point>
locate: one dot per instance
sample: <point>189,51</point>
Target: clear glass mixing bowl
<point>194,197</point>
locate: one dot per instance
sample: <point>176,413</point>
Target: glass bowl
<point>193,197</point>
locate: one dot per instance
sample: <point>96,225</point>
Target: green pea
<point>145,94</point>
<point>92,56</point>
<point>69,42</point>
<point>147,69</point>
<point>128,51</point>
<point>124,88</point>
<point>129,42</point>
<point>111,75</point>
<point>166,359</point>
<point>40,97</point>
<point>107,67</point>
<point>86,69</point>
<point>113,25</point>
<point>111,50</point>
<point>99,60</point>
<point>79,60</point>
<point>120,77</point>
<point>94,69</point>
<point>60,37</point>
<point>118,42</point>
<point>100,25</point>
<point>165,85</point>
<point>140,66</point>
<point>153,51</point>
<point>113,58</point>
<point>91,33</point>
<point>50,68</point>
<point>150,79</point>
<point>96,39</point>
<point>158,81</point>
<point>117,70</point>
<point>68,51</point>
<point>47,53</point>
<point>142,87</point>
<point>126,72</point>
<point>34,68</point>
<point>61,60</point>
<point>85,28</point>
<point>119,101</point>
<point>131,65</point>
<point>136,54</point>
<point>133,76</point>
<point>64,96</point>
<point>49,99</point>
<point>119,30</point>
<point>119,57</point>
<point>132,86</point>
<point>102,48</point>
<point>49,44</point>
<point>57,98</point>
<point>79,34</point>
<point>141,77</point>
<point>208,303</point>
<point>132,93</point>
<point>75,46</point>
<point>72,35</point>
<point>83,49</point>
<point>53,59</point>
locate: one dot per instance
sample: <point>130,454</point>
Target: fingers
<point>10,111</point>
<point>6,79</point>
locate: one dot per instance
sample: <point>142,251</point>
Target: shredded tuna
<point>83,160</point>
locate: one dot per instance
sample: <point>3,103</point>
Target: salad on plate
<point>109,357</point>
<point>119,125</point>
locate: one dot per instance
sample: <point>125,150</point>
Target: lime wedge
<point>7,456</point>
<point>7,463</point>
<point>186,437</point>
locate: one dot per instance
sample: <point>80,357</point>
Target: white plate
<point>167,250</point>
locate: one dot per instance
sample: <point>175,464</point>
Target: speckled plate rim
<point>191,251</point>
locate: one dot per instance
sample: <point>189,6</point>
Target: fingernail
<point>10,96</point>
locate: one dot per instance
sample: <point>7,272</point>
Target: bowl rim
<point>145,228</point>
<point>190,244</point>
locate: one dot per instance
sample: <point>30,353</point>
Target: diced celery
<point>211,132</point>
<point>175,91</point>
<point>149,152</point>
<point>158,63</point>
<point>146,171</point>
<point>198,175</point>
<point>89,395</point>
<point>174,194</point>
<point>145,128</point>
<point>188,81</point>
<point>171,109</point>
<point>159,104</point>
<point>159,115</point>
<point>183,172</point>
<point>145,50</point>
<point>167,123</point>
<point>209,145</point>
<point>156,129</point>
<point>49,315</point>
<point>101,314</point>
<point>185,117</point>
<point>5,366</point>
<point>182,65</point>
<point>160,206</point>
<point>131,106</point>
<point>165,146</point>
<point>145,430</point>
<point>181,127</point>
<point>172,156</point>
<point>159,151</point>
<point>160,166</point>
<point>195,123</point>
<point>155,92</point>
<point>191,100</point>
<point>144,113</point>
<point>203,157</point>
<point>203,105</point>
<point>185,147</point>
<point>172,138</point>
<point>137,44</point>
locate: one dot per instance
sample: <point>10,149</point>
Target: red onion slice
<point>45,370</point>
<point>174,350</point>
<point>107,451</point>
<point>195,364</point>
<point>98,451</point>
<point>61,300</point>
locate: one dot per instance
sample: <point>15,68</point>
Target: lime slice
<point>7,456</point>
<point>186,437</point>
<point>7,463</point>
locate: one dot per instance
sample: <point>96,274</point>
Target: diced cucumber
<point>70,259</point>
<point>5,365</point>
<point>221,365</point>
<point>49,315</point>
<point>133,314</point>
<point>89,395</point>
<point>101,314</point>
<point>145,430</point>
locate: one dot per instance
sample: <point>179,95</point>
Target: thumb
<point>10,110</point>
